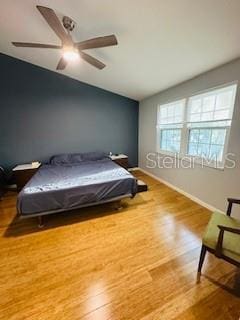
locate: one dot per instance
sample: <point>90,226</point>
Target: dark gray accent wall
<point>44,113</point>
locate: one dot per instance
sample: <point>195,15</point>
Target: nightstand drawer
<point>22,177</point>
<point>122,162</point>
<point>23,173</point>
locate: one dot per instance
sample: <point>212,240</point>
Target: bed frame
<point>41,215</point>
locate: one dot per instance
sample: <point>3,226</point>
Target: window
<point>170,139</point>
<point>207,143</point>
<point>170,123</point>
<point>197,126</point>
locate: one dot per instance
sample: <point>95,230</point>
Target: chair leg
<point>201,260</point>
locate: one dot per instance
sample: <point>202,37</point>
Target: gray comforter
<point>56,187</point>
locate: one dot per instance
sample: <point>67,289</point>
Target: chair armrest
<point>221,235</point>
<point>228,229</point>
<point>230,203</point>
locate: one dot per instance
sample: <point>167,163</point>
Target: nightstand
<point>24,172</point>
<point>121,160</point>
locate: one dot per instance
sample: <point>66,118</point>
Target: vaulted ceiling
<point>161,43</point>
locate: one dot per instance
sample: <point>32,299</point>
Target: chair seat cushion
<point>231,241</point>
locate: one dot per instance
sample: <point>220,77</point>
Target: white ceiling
<point>161,42</point>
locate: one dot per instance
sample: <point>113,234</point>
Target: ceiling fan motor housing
<point>68,23</point>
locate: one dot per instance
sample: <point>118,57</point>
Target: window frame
<point>185,129</point>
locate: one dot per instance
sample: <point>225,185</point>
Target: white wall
<point>210,185</point>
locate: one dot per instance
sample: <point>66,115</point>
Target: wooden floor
<point>98,263</point>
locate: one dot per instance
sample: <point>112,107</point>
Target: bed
<point>74,181</point>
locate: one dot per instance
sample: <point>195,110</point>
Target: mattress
<point>55,187</point>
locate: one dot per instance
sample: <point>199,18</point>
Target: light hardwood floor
<point>98,263</point>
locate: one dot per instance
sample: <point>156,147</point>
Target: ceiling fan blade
<point>62,64</point>
<point>99,42</point>
<point>35,45</point>
<point>50,16</point>
<point>93,61</point>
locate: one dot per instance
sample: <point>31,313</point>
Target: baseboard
<point>133,169</point>
<point>186,194</point>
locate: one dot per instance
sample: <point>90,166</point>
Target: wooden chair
<point>222,238</point>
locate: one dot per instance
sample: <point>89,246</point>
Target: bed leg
<point>40,222</point>
<point>118,205</point>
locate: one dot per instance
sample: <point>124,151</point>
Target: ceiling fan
<point>71,50</point>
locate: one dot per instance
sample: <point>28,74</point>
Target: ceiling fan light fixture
<point>71,55</point>
<point>70,51</point>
